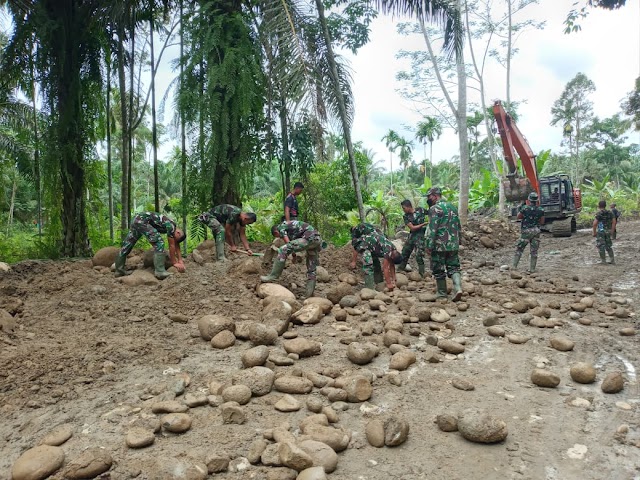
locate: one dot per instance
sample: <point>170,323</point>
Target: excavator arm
<point>513,142</point>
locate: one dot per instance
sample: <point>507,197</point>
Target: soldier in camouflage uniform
<point>231,217</point>
<point>356,233</point>
<point>442,241</point>
<point>151,225</point>
<point>414,218</point>
<point>298,236</point>
<point>373,246</point>
<point>603,227</point>
<point>532,216</point>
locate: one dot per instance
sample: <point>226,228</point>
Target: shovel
<point>247,253</point>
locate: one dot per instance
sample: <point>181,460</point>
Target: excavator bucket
<point>516,188</point>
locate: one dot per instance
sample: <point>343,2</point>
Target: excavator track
<point>561,228</point>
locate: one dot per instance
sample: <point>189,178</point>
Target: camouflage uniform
<point>302,236</point>
<point>363,229</point>
<point>373,246</point>
<point>530,229</point>
<point>416,238</point>
<point>443,239</point>
<point>151,225</point>
<point>219,216</point>
<point>603,232</point>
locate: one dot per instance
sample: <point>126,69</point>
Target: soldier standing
<point>532,216</point>
<point>291,210</point>
<point>231,217</point>
<point>443,242</point>
<point>151,225</point>
<point>298,237</point>
<point>373,246</point>
<point>616,215</point>
<point>603,227</point>
<point>414,218</point>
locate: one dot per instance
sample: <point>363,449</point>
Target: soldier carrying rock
<point>373,246</point>
<point>414,218</point>
<point>298,237</point>
<point>151,225</point>
<point>532,216</point>
<point>442,241</point>
<point>231,217</point>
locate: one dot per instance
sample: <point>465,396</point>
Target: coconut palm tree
<point>404,155</point>
<point>429,130</point>
<point>391,142</point>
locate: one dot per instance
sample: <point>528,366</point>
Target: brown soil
<point>91,352</point>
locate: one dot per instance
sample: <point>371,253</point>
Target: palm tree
<point>429,130</point>
<point>405,154</point>
<point>391,142</point>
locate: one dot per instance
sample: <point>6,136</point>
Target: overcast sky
<point>607,50</point>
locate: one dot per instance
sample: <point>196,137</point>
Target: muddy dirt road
<point>82,350</point>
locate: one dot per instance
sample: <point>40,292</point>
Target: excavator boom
<point>516,188</point>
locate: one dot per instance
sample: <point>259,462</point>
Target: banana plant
<point>383,210</point>
<point>484,191</point>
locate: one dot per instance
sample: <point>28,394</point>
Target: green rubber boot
<point>369,282</point>
<point>158,263</point>
<point>311,286</point>
<point>276,271</point>
<point>441,287</point>
<point>613,260</point>
<point>402,267</point>
<point>532,264</point>
<point>220,248</point>
<point>516,260</point>
<point>603,257</point>
<point>456,278</point>
<point>120,263</point>
<point>421,270</point>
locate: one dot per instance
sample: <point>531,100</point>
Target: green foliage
<point>484,192</point>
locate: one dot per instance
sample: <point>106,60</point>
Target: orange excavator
<point>559,199</point>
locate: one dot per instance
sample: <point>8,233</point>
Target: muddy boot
<point>421,270</point>
<point>532,264</point>
<point>220,249</point>
<point>311,286</point>
<point>369,282</point>
<point>456,278</point>
<point>120,266</point>
<point>613,260</point>
<point>158,263</point>
<point>516,260</point>
<point>441,287</point>
<point>276,271</point>
<point>402,267</point>
<point>603,257</point>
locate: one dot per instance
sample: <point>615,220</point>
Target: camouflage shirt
<point>416,218</point>
<point>363,229</point>
<point>531,215</point>
<point>443,232</point>
<point>605,220</point>
<point>225,214</point>
<point>376,243</point>
<point>161,223</point>
<point>296,229</point>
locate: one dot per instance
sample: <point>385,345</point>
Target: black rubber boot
<point>158,263</point>
<point>441,288</point>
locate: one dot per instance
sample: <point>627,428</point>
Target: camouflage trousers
<point>603,241</point>
<point>311,246</point>
<point>529,236</point>
<point>139,228</point>
<point>371,265</point>
<point>417,243</point>
<point>217,229</point>
<point>444,263</point>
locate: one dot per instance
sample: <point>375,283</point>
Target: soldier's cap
<point>533,197</point>
<point>434,191</point>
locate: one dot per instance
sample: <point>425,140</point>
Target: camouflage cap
<point>434,191</point>
<point>533,197</point>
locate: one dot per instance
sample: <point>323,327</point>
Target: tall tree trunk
<point>183,135</point>
<point>154,129</point>
<point>132,61</point>
<point>124,121</point>
<point>342,108</point>
<point>391,173</point>
<point>463,138</point>
<point>286,156</point>
<point>509,52</point>
<point>430,162</point>
<point>109,166</point>
<point>36,154</point>
<point>13,201</point>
